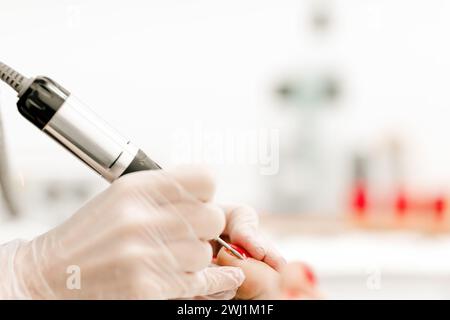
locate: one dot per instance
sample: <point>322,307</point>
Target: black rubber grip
<point>141,162</point>
<point>41,100</point>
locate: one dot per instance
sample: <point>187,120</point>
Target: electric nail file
<point>64,118</point>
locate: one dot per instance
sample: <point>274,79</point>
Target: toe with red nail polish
<point>310,276</point>
<point>242,251</point>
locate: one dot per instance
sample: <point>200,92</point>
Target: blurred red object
<point>439,206</point>
<point>359,199</point>
<point>401,204</point>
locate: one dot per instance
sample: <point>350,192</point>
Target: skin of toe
<point>261,280</point>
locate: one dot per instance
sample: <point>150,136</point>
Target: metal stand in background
<point>5,179</point>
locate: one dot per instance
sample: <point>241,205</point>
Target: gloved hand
<point>242,229</point>
<point>146,236</point>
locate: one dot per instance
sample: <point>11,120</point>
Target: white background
<point>151,68</point>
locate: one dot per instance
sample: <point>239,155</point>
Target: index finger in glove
<point>242,229</point>
<point>180,184</point>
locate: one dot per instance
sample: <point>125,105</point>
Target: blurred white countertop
<point>375,265</point>
<point>354,264</point>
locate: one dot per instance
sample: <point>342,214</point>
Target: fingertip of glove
<point>234,273</point>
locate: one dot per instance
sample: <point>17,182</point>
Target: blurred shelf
<point>291,224</point>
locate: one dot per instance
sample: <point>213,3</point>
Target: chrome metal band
<point>92,140</point>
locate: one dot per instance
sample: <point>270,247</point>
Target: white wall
<point>154,67</point>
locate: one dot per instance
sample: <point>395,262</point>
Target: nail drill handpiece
<point>67,120</point>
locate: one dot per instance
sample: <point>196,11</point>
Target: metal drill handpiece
<point>78,129</point>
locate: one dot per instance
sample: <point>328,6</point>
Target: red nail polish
<point>241,251</point>
<point>309,274</point>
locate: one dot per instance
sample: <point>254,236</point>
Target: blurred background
<point>328,116</point>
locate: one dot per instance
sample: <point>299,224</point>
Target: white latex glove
<point>242,229</point>
<point>146,237</point>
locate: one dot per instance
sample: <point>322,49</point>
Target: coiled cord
<point>16,80</point>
